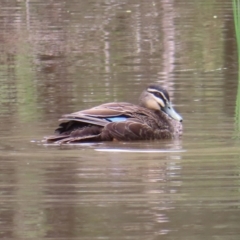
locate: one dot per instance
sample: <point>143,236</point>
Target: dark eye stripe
<point>159,95</point>
<point>162,96</point>
<point>156,88</point>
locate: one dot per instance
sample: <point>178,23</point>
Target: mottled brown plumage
<point>153,119</point>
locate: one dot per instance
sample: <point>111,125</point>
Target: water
<point>61,57</point>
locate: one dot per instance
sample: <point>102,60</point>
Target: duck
<point>154,118</point>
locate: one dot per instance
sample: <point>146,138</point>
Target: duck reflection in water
<point>154,118</point>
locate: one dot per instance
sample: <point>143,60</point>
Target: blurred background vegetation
<point>58,57</point>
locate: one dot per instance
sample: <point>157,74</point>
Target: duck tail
<point>88,133</point>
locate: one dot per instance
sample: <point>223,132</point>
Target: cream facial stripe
<point>154,90</point>
<point>159,101</point>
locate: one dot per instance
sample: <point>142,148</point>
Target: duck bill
<point>169,110</point>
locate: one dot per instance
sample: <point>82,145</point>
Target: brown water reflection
<point>59,57</point>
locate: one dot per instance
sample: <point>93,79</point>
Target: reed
<point>236,14</point>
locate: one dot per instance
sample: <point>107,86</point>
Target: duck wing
<point>88,124</point>
<point>102,114</point>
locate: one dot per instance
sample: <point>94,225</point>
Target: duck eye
<point>157,94</point>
